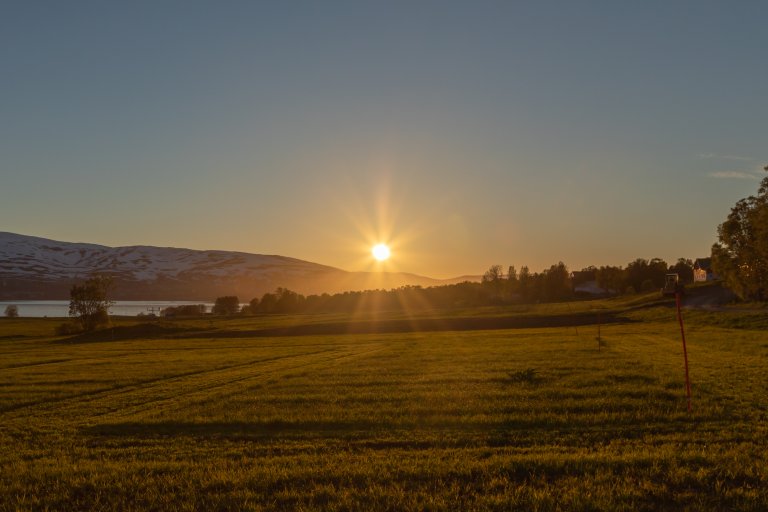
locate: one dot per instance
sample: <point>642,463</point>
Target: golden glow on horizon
<point>381,252</point>
<point>376,214</point>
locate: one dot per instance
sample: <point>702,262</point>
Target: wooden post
<point>685,350</point>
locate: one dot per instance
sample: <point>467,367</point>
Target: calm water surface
<point>60,308</point>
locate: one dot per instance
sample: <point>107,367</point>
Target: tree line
<point>89,303</point>
<point>497,287</point>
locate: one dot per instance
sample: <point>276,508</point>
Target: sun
<point>381,252</point>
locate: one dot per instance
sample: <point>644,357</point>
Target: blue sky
<point>464,133</point>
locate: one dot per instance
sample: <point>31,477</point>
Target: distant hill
<point>33,268</point>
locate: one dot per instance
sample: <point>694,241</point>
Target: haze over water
<point>60,308</point>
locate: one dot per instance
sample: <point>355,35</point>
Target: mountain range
<point>33,268</point>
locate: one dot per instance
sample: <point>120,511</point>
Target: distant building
<point>585,283</point>
<point>702,270</point>
<point>583,276</point>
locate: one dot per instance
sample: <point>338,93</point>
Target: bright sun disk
<point>380,252</point>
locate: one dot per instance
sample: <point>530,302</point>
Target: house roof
<point>703,263</point>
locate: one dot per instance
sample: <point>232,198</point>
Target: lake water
<point>60,308</point>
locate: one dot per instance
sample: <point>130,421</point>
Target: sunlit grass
<point>491,420</point>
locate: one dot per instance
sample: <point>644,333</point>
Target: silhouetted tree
<point>268,303</point>
<point>225,306</point>
<point>494,274</point>
<point>657,271</point>
<point>557,283</point>
<point>493,283</point>
<point>512,283</point>
<point>11,311</point>
<point>611,278</point>
<point>524,282</point>
<point>88,302</point>
<point>288,301</point>
<point>253,306</point>
<point>641,270</point>
<point>684,269</point>
<point>740,256</point>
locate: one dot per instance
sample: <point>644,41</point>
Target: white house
<point>702,270</point>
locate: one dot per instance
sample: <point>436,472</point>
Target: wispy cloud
<point>734,175</point>
<point>716,156</point>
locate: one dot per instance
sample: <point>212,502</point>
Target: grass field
<point>515,419</point>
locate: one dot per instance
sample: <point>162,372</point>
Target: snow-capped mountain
<point>38,268</point>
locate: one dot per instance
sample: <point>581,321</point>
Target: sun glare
<point>381,252</point>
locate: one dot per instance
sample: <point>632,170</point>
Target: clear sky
<point>464,133</point>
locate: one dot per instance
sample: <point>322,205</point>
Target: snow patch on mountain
<point>37,268</point>
<point>32,257</point>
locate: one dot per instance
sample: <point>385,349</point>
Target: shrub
<point>185,310</point>
<point>67,328</point>
<point>528,375</point>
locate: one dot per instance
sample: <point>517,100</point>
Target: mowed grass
<point>519,419</point>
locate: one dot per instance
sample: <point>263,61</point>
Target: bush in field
<point>11,311</point>
<point>523,376</point>
<point>89,304</point>
<point>67,328</point>
<point>185,310</point>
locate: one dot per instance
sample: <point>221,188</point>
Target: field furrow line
<point>80,401</point>
<point>212,390</point>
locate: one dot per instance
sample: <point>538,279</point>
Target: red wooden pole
<point>685,350</point>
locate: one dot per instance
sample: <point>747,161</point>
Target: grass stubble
<point>518,419</point>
